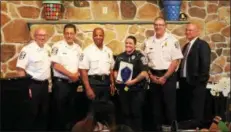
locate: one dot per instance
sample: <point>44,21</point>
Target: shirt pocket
<point>65,60</point>
<point>106,65</point>
<point>106,62</point>
<point>94,64</point>
<point>37,63</point>
<point>166,54</point>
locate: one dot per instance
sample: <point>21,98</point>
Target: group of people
<point>161,63</point>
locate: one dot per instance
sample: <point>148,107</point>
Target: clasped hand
<point>128,83</point>
<point>158,80</point>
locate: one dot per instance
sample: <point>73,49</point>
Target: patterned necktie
<point>184,59</point>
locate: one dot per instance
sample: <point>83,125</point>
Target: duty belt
<point>158,72</point>
<point>99,77</point>
<point>62,80</point>
<point>39,81</point>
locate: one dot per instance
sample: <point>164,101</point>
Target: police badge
<point>166,44</point>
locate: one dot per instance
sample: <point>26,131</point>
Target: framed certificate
<point>125,72</point>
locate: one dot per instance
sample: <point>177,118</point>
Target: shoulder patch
<point>81,57</point>
<point>144,60</point>
<point>22,55</point>
<point>177,45</point>
<point>54,51</point>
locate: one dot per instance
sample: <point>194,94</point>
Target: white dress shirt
<point>185,57</point>
<point>97,61</point>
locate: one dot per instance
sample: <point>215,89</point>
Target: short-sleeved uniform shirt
<point>137,59</point>
<point>35,61</point>
<point>97,61</point>
<point>161,52</point>
<point>66,55</point>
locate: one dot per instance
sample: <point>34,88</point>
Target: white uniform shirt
<point>67,56</point>
<point>35,61</point>
<point>97,61</point>
<point>161,52</point>
<point>185,57</point>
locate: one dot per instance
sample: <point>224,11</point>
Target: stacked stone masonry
<point>213,18</point>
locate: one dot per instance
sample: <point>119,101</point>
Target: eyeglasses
<point>71,34</point>
<point>189,30</point>
<point>41,35</point>
<point>159,25</point>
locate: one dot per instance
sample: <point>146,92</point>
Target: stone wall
<point>213,17</point>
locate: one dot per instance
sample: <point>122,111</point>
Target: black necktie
<point>184,59</point>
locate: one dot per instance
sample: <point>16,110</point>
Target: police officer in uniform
<point>96,67</point>
<point>34,61</point>
<point>164,53</point>
<point>65,62</point>
<point>131,92</point>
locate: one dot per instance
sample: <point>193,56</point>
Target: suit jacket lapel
<point>185,48</point>
<point>194,46</point>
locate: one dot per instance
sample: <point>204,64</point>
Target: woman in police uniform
<point>131,91</point>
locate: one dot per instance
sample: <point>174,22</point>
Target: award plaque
<point>125,72</point>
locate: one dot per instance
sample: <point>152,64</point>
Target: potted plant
<point>52,9</point>
<point>172,9</point>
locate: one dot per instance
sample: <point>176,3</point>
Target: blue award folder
<point>125,72</point>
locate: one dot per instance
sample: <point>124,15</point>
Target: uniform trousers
<point>64,100</point>
<point>163,101</point>
<point>131,106</point>
<point>101,87</point>
<point>39,104</point>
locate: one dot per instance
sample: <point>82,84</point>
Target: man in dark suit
<point>194,74</point>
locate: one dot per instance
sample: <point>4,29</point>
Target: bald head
<point>39,31</point>
<point>98,36</point>
<point>192,31</point>
<point>40,36</point>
